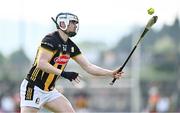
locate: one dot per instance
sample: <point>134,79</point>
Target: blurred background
<point>108,31</point>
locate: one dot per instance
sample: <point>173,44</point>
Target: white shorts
<point>36,97</point>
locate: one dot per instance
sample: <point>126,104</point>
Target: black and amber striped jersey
<point>61,53</point>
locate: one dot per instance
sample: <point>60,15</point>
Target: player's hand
<point>71,76</point>
<point>116,74</point>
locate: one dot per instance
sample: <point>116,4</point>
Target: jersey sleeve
<point>48,43</point>
<point>74,50</point>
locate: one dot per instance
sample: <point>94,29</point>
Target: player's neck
<point>63,35</point>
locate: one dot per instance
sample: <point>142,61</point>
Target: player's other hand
<point>71,76</point>
<point>116,74</point>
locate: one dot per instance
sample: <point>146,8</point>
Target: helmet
<point>66,18</point>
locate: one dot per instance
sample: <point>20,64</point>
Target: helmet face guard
<point>66,18</point>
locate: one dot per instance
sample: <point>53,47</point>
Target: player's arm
<point>44,56</point>
<point>93,69</point>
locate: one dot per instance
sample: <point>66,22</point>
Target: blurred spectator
<point>7,104</point>
<point>81,102</point>
<point>16,98</point>
<point>153,99</point>
<point>163,105</point>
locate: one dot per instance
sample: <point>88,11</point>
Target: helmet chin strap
<point>70,34</point>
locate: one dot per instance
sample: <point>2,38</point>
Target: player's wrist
<point>110,72</point>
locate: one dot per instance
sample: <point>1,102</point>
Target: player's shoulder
<point>50,41</point>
